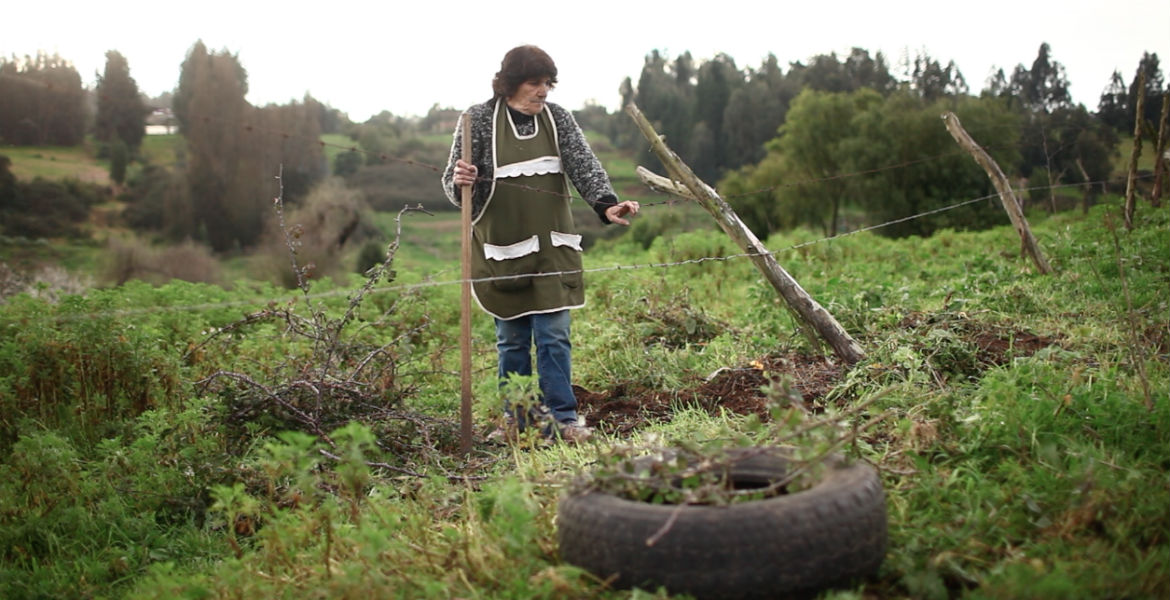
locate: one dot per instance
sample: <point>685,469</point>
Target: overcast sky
<point>404,57</point>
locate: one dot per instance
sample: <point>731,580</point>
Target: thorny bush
<point>336,369</point>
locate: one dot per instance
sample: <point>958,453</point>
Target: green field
<point>246,440</point>
<point>56,162</point>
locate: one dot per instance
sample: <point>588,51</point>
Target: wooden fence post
<point>809,312</point>
<point>1003,186</point>
<point>1161,159</point>
<point>1131,179</point>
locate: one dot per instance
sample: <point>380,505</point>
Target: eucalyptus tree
<point>717,79</point>
<point>1113,107</point>
<point>755,111</point>
<point>665,94</point>
<point>932,81</point>
<point>1042,88</point>
<point>121,113</point>
<point>1154,90</point>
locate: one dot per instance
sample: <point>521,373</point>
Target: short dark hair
<point>521,64</point>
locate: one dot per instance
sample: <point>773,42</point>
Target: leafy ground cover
<point>158,441</point>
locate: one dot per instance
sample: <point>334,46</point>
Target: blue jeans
<point>550,332</point>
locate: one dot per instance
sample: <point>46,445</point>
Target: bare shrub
<point>135,259</point>
<point>330,219</point>
<point>343,368</point>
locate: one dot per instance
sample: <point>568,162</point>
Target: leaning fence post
<point>1003,186</point>
<point>808,311</point>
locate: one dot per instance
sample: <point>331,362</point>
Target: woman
<point>526,253</point>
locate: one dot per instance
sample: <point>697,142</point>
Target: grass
<point>162,149</point>
<point>57,162</point>
<point>335,143</point>
<point>1125,149</point>
<point>1041,474</point>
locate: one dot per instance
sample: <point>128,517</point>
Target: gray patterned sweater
<point>577,158</point>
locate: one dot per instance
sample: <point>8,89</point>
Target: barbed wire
<point>268,301</point>
<point>385,157</point>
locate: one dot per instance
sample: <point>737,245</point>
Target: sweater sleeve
<point>456,154</point>
<point>582,165</point>
<point>481,156</point>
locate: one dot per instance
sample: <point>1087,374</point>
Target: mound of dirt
<point>625,408</point>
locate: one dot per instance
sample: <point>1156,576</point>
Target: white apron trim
<point>517,250</point>
<point>535,130</point>
<point>536,166</point>
<point>570,240</point>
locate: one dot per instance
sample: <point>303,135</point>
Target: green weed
<point>1019,421</point>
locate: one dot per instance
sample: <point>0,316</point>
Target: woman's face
<point>531,95</point>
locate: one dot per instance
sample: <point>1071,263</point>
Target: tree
<point>1154,90</point>
<point>825,73</point>
<point>666,96</point>
<point>930,80</point>
<point>872,73</point>
<point>913,166</point>
<point>43,102</point>
<point>755,111</point>
<point>1044,87</point>
<point>904,160</point>
<point>289,146</point>
<point>121,113</point>
<point>809,157</point>
<point>7,184</point>
<point>1055,143</point>
<point>717,79</point>
<point>1113,108</point>
<point>211,110</point>
<point>234,150</point>
<point>194,75</point>
<point>119,159</point>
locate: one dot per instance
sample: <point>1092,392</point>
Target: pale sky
<point>404,57</point>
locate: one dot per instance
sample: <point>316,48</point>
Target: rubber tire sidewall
<point>828,535</point>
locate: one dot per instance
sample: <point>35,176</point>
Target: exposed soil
<point>995,344</point>
<point>625,408</point>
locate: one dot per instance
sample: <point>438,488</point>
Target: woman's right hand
<point>465,173</point>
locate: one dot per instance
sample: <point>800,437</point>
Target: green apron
<point>525,228</point>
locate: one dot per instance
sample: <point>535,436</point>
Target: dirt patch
<point>997,347</point>
<point>974,345</point>
<point>626,408</point>
<point>968,346</point>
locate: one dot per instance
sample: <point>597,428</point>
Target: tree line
<point>773,138</point>
<point>220,190</point>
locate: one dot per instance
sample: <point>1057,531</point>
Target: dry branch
<point>808,311</point>
<point>1003,186</point>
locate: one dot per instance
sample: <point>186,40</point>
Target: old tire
<point>826,536</point>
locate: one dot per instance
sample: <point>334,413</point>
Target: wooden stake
<point>1161,160</point>
<point>1003,186</point>
<point>813,316</point>
<point>1131,178</point>
<point>465,304</point>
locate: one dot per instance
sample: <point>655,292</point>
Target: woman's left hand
<point>621,209</point>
